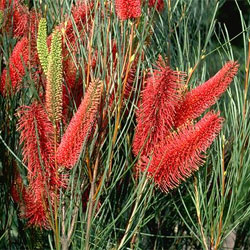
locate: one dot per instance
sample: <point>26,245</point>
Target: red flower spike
<point>177,157</point>
<point>80,127</point>
<point>17,63</point>
<point>126,9</point>
<point>157,109</point>
<point>159,4</point>
<point>202,97</point>
<point>36,134</point>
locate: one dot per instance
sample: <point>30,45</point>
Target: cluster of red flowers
<point>167,142</point>
<point>43,153</point>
